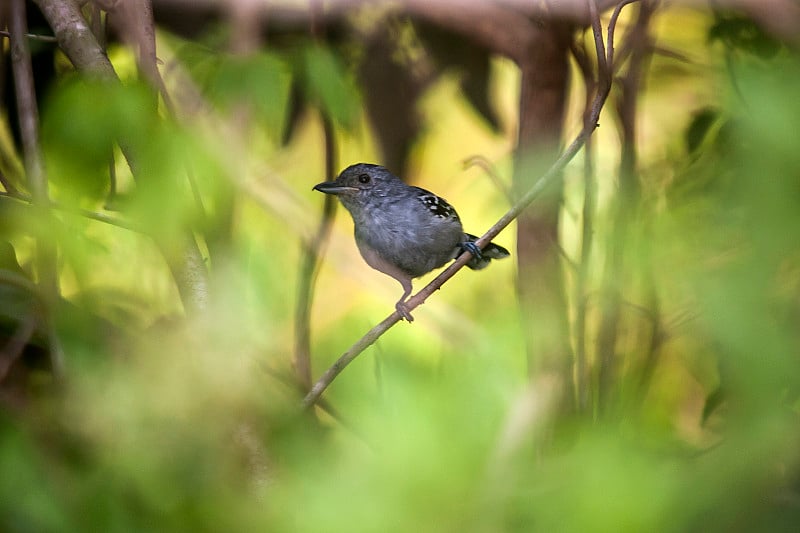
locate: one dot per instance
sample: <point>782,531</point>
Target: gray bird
<point>401,230</point>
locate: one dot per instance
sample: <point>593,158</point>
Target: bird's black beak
<point>331,187</point>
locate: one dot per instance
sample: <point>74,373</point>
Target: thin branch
<point>46,256</point>
<point>671,53</point>
<point>98,24</point>
<point>553,173</point>
<point>291,382</point>
<point>135,21</point>
<point>488,168</point>
<point>33,36</point>
<point>626,200</point>
<point>309,266</point>
<point>6,183</point>
<point>612,25</point>
<point>313,250</point>
<point>582,387</point>
<point>93,215</point>
<point>602,61</point>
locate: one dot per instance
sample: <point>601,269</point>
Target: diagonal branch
<point>75,37</point>
<point>552,174</point>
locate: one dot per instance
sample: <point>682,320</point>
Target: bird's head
<point>361,181</point>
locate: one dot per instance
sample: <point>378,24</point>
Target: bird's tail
<point>484,257</point>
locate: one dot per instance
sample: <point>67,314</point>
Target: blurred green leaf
<point>742,33</point>
<point>328,84</point>
<point>261,80</point>
<point>82,123</point>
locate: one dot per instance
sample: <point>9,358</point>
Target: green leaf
<point>329,86</point>
<point>261,81</point>
<point>83,121</point>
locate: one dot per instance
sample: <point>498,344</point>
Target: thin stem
<point>612,26</point>
<point>491,172</point>
<point>626,205</point>
<point>33,36</point>
<point>582,383</point>
<point>6,183</point>
<point>313,251</point>
<point>310,264</point>
<point>93,215</point>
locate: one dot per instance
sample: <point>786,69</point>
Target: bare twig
<point>291,382</point>
<point>553,173</point>
<point>309,264</point>
<point>612,25</point>
<point>626,200</point>
<point>486,165</point>
<point>35,37</point>
<point>93,215</point>
<point>313,251</point>
<point>582,382</point>
<point>134,19</point>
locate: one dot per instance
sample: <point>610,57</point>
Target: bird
<point>401,230</point>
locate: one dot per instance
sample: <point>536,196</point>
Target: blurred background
<point>171,287</point>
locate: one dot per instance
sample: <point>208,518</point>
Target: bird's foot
<point>471,247</point>
<point>403,310</point>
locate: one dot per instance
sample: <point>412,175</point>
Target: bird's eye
<point>364,178</point>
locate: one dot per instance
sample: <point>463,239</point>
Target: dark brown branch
<point>134,20</point>
<point>46,259</point>
<point>75,37</point>
<point>612,25</point>
<point>553,173</point>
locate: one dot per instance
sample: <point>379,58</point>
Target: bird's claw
<point>403,310</point>
<point>472,248</point>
